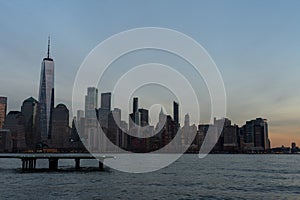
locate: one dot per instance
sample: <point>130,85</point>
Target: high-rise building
<point>106,100</point>
<point>135,104</point>
<point>185,130</point>
<point>79,121</point>
<point>162,118</point>
<point>91,123</point>
<point>230,137</point>
<point>91,102</point>
<point>225,134</point>
<point>16,124</point>
<point>144,117</point>
<point>104,110</point>
<point>3,108</point>
<point>80,115</point>
<point>176,115</point>
<point>134,117</point>
<point>124,136</point>
<point>187,120</point>
<point>255,133</point>
<point>60,127</point>
<point>29,110</point>
<point>201,133</point>
<point>138,117</point>
<point>5,140</point>
<point>46,95</point>
<point>114,130</point>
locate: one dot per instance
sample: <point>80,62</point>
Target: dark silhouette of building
<point>135,114</point>
<point>60,128</point>
<point>176,115</point>
<point>135,104</point>
<point>5,140</point>
<point>255,135</point>
<point>29,110</point>
<point>106,100</point>
<point>201,133</point>
<point>114,133</point>
<point>3,110</point>
<point>143,116</point>
<point>15,122</point>
<point>139,116</point>
<point>75,143</point>
<point>104,110</point>
<point>230,138</point>
<point>294,148</point>
<point>124,136</point>
<point>46,95</point>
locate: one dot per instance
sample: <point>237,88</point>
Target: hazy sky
<point>255,44</point>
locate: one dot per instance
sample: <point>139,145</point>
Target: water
<point>214,177</point>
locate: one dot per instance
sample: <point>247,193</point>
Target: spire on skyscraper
<point>48,52</point>
<point>161,111</point>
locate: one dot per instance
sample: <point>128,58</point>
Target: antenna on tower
<point>48,53</point>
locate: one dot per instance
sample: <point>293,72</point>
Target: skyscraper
<point>134,116</point>
<point>15,122</point>
<point>60,129</point>
<point>46,95</point>
<point>114,131</point>
<point>135,104</point>
<point>256,135</point>
<point>3,108</point>
<point>104,110</point>
<point>80,117</point>
<point>144,117</point>
<point>187,120</point>
<point>91,102</point>
<point>106,100</point>
<point>29,110</point>
<point>176,115</point>
<point>91,123</point>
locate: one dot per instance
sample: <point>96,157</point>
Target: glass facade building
<point>46,95</point>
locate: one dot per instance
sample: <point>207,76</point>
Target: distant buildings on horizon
<point>40,126</point>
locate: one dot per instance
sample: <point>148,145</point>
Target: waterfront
<point>214,177</point>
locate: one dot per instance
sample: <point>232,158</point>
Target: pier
<point>29,159</point>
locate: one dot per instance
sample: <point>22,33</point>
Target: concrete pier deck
<point>29,159</point>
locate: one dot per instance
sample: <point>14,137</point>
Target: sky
<point>255,44</point>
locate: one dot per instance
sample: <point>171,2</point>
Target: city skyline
<point>91,104</point>
<point>131,99</point>
<point>21,131</point>
<point>256,54</point>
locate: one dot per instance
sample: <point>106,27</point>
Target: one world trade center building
<point>46,95</point>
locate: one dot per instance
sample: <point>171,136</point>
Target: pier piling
<point>77,163</point>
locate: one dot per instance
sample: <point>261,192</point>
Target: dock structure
<point>29,159</point>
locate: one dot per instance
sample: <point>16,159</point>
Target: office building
<point>5,140</point>
<point>46,95</point>
<point>91,122</point>
<point>60,127</point>
<point>15,122</point>
<point>176,115</point>
<point>255,135</point>
<point>3,110</point>
<point>106,100</point>
<point>29,110</point>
